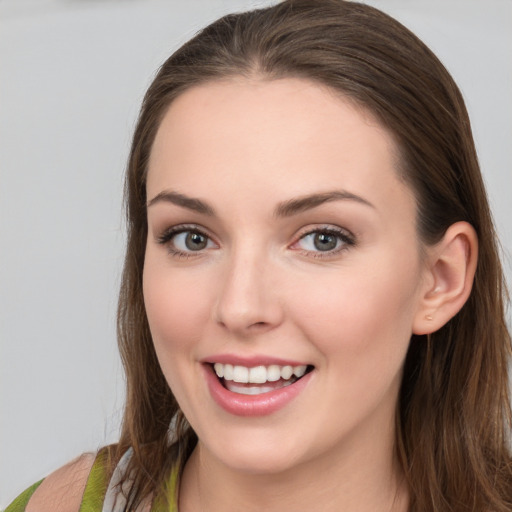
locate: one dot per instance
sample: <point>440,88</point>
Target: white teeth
<point>299,371</point>
<point>252,390</point>
<point>219,369</point>
<point>240,374</point>
<point>286,372</point>
<point>228,371</point>
<point>258,374</point>
<point>273,373</point>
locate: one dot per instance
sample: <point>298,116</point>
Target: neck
<point>353,477</point>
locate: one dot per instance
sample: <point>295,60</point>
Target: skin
<point>62,491</point>
<point>261,287</point>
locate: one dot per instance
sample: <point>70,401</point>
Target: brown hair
<point>454,416</point>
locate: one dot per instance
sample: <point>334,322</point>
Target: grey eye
<point>191,241</point>
<point>320,241</point>
<point>325,241</point>
<point>195,241</point>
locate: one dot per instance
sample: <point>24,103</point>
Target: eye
<point>190,241</point>
<point>328,240</point>
<point>182,240</point>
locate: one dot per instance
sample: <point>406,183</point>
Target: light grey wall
<point>72,75</point>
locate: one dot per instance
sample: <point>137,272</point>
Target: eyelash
<point>167,236</point>
<point>345,239</point>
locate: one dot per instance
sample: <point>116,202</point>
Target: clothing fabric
<point>101,495</point>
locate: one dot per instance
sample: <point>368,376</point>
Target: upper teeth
<point>258,374</point>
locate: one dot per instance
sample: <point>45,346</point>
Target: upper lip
<point>251,361</point>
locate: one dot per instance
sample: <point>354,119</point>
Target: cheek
<point>177,307</point>
<point>362,312</point>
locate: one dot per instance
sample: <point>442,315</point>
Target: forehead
<point>288,136</point>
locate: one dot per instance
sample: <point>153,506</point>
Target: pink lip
<point>252,405</point>
<point>250,361</point>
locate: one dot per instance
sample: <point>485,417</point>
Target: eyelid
<point>347,238</point>
<point>166,236</point>
<point>169,232</point>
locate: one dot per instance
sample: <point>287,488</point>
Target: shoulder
<point>62,491</point>
<point>93,481</point>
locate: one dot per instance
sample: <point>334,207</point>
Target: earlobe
<point>451,270</point>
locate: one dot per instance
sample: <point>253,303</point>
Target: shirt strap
<point>171,491</point>
<point>20,503</point>
<point>97,483</point>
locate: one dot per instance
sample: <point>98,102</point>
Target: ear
<point>450,270</point>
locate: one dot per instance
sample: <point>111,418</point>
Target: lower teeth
<point>241,389</point>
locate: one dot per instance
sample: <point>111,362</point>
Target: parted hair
<point>453,417</point>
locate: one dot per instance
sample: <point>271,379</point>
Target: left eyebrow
<point>294,206</point>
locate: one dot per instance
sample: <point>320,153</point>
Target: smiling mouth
<point>258,379</point>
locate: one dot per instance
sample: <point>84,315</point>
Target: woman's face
<point>280,241</point>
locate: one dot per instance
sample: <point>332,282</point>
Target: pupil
<point>195,241</point>
<point>325,242</point>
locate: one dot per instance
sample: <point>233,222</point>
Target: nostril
<point>259,326</point>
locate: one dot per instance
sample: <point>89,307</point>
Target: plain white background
<point>73,73</point>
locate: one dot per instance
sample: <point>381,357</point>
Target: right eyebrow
<point>191,203</point>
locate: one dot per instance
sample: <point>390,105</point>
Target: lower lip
<point>253,405</point>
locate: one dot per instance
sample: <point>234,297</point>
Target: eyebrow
<point>178,199</point>
<point>301,204</point>
<point>284,209</point>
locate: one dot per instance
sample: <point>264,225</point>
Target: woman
<point>312,297</point>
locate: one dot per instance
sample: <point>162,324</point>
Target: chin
<point>257,455</point>
<point>261,463</point>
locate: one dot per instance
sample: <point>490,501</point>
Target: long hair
<point>453,415</point>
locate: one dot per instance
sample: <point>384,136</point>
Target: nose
<point>249,300</point>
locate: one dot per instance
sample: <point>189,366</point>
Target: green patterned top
<point>100,494</point>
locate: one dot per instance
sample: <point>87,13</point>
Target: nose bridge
<point>246,301</point>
